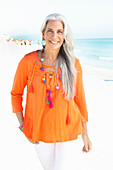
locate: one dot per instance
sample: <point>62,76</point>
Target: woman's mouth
<point>54,42</point>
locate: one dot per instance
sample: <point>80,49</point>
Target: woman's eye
<point>49,31</point>
<point>60,31</point>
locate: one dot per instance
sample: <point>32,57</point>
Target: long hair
<point>66,56</point>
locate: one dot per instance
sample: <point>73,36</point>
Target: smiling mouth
<point>53,42</point>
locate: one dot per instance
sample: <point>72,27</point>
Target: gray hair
<point>66,56</point>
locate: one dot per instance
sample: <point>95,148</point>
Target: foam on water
<point>105,58</point>
<point>98,52</point>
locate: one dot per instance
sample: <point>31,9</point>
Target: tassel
<point>50,105</point>
<point>50,99</point>
<point>47,99</point>
<point>68,121</point>
<point>31,89</point>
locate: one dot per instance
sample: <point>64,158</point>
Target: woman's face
<point>54,34</point>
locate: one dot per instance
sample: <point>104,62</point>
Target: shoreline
<point>89,69</point>
<point>96,72</point>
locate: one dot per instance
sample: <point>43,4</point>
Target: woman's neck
<point>51,55</point>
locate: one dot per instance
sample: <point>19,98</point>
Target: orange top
<point>42,123</point>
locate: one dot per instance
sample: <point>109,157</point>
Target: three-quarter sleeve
<point>80,95</point>
<point>19,83</point>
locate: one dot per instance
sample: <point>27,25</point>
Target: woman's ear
<point>43,35</point>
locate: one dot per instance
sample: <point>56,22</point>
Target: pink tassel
<point>50,99</point>
<point>68,121</point>
<point>50,105</point>
<point>31,89</point>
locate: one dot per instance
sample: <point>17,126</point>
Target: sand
<point>17,153</point>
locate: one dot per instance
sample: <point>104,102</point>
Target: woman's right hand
<point>34,142</point>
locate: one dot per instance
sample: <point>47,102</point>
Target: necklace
<point>56,73</point>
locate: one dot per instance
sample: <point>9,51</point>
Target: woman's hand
<point>30,140</point>
<point>87,143</point>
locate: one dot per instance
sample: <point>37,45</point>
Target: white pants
<point>57,156</point>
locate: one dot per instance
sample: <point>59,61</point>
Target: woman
<point>56,111</point>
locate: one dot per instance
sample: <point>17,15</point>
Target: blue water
<point>98,52</point>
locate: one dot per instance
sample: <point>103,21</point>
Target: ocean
<point>96,52</point>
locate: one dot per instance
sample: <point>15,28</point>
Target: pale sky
<point>87,18</point>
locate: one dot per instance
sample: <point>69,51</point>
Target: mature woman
<point>56,111</point>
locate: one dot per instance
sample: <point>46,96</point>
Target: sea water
<point>96,52</point>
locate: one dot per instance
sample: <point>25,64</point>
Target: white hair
<point>66,56</point>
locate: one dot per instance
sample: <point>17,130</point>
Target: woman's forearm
<point>84,124</point>
<point>20,117</point>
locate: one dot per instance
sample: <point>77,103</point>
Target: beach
<point>17,153</point>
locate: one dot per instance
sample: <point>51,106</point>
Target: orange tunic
<point>42,123</point>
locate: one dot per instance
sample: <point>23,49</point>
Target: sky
<point>86,18</point>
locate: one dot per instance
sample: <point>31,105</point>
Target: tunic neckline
<point>44,64</point>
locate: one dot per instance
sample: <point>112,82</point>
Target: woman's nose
<point>54,35</point>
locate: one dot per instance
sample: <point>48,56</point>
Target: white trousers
<point>57,156</point>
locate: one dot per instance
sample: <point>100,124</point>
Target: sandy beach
<point>17,153</point>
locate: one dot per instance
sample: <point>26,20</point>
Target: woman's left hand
<point>87,143</point>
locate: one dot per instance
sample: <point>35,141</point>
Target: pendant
<point>42,68</point>
<point>44,80</point>
<point>57,87</point>
<point>42,59</point>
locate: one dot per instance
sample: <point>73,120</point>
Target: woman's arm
<point>84,124</point>
<point>80,94</point>
<point>19,83</point>
<point>81,103</point>
<point>21,120</point>
<point>87,143</point>
<point>20,117</point>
